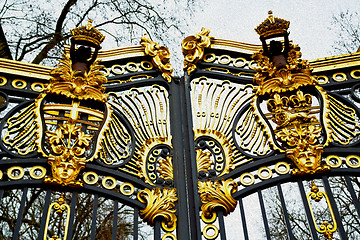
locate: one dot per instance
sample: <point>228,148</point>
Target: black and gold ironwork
<point>222,153</point>
<point>160,56</point>
<point>325,228</point>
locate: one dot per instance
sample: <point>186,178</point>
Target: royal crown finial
<point>272,26</point>
<point>87,35</point>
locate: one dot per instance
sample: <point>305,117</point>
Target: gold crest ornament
<point>299,118</point>
<point>72,123</point>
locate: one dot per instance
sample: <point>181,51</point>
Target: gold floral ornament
<point>159,203</point>
<point>325,228</point>
<point>193,48</point>
<point>160,56</point>
<point>217,195</point>
<point>68,144</point>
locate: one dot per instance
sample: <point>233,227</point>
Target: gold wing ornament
<point>252,133</point>
<point>19,130</point>
<point>341,120</point>
<point>117,144</point>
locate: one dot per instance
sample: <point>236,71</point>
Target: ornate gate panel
<point>93,152</point>
<point>265,124</point>
<point>252,143</point>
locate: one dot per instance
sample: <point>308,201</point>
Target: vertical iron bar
<point>1,194</point>
<point>94,215</point>
<point>221,225</point>
<point>72,215</point>
<point>243,220</point>
<point>313,231</point>
<point>157,230</point>
<point>20,214</point>
<point>44,215</point>
<point>185,174</point>
<point>283,206</point>
<point>190,162</point>
<point>263,213</point>
<point>328,191</point>
<point>136,223</point>
<point>353,194</point>
<point>114,230</point>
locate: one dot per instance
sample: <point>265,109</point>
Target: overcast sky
<point>309,21</point>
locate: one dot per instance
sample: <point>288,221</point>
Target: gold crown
<point>272,26</point>
<point>88,33</point>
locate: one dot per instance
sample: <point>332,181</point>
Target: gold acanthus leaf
<point>73,84</point>
<point>160,56</point>
<point>165,169</point>
<point>217,194</point>
<point>193,48</point>
<point>203,160</point>
<point>159,203</point>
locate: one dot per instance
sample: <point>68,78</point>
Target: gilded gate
<point>252,143</point>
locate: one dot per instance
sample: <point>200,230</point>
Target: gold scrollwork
<point>193,49</point>
<point>252,65</point>
<point>209,220</point>
<point>105,71</point>
<point>325,228</point>
<point>207,229</point>
<point>35,169</point>
<point>160,56</point>
<point>217,194</point>
<point>59,207</point>
<point>159,203</point>
<point>1,175</point>
<point>15,173</point>
<point>67,160</point>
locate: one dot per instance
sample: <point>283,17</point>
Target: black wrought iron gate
<point>244,146</point>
